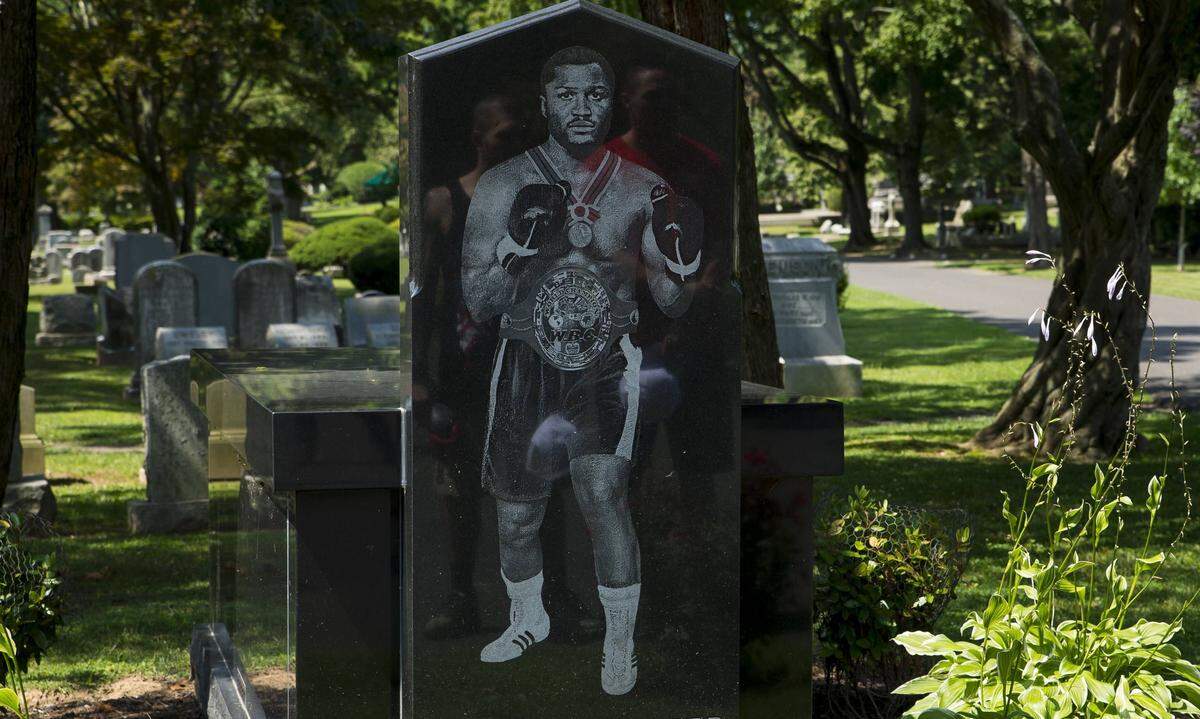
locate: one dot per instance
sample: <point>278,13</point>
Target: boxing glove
<point>536,219</point>
<point>678,226</point>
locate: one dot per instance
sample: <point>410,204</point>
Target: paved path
<point>1006,301</point>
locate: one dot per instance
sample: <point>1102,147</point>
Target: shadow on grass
<point>929,337</point>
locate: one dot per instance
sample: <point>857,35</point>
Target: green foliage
<point>387,214</point>
<point>1062,634</point>
<point>30,604</point>
<point>377,267</point>
<point>984,217</point>
<point>353,178</point>
<point>337,242</point>
<point>833,198</point>
<point>294,231</point>
<point>12,698</point>
<point>1181,183</point>
<point>880,570</point>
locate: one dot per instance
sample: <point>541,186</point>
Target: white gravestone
<point>172,342</point>
<point>290,335</point>
<point>802,273</point>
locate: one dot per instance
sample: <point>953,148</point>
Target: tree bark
<point>1182,250</point>
<point>1037,226</point>
<point>908,176</point>
<point>188,195</point>
<point>18,175</point>
<point>856,198</point>
<point>908,157</point>
<point>704,22</point>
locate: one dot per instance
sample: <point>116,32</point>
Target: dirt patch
<point>129,698</point>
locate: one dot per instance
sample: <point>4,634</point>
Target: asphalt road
<point>1007,301</point>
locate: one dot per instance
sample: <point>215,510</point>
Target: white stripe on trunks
<point>487,442</point>
<point>633,391</point>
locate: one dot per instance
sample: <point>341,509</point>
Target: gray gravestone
<point>802,273</point>
<point>164,295</point>
<point>170,342</point>
<point>133,252</point>
<point>214,280</point>
<point>264,293</point>
<point>115,344</point>
<point>79,259</point>
<point>67,321</point>
<point>54,265</point>
<point>316,301</point>
<point>295,336</point>
<point>79,275</point>
<point>175,468</point>
<point>385,334</point>
<point>96,259</point>
<point>363,311</point>
<point>108,240</point>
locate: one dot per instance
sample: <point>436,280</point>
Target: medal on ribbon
<point>582,212</point>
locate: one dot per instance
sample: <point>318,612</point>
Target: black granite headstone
<point>572,524</point>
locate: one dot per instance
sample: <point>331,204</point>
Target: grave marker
<point>132,252</point>
<point>291,335</point>
<point>385,334</point>
<point>802,273</point>
<point>214,282</point>
<point>175,468</point>
<point>363,311</point>
<point>170,342</point>
<point>316,301</point>
<point>28,491</point>
<point>264,293</point>
<point>67,321</point>
<point>164,295</point>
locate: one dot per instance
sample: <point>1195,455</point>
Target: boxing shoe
<point>528,621</point>
<point>618,665</point>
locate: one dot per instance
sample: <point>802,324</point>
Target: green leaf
<point>920,685</point>
<point>10,701</point>
<point>939,713</point>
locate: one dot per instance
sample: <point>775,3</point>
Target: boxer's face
<point>578,105</point>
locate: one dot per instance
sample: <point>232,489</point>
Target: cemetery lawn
<point>1165,279</point>
<point>931,380</point>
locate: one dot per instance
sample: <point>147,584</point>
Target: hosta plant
<point>1062,634</point>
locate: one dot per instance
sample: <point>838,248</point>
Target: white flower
<point>1044,324</point>
<point>1117,284</point>
<point>1036,256</point>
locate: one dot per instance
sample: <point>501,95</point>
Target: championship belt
<point>570,318</point>
<point>582,212</point>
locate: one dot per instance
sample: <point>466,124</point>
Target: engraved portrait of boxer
<point>556,239</point>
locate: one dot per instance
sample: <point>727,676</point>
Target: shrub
<point>30,605</point>
<point>337,242</point>
<point>388,214</point>
<point>377,267</point>
<point>880,570</point>
<point>833,198</point>
<point>983,217</point>
<point>352,180</point>
<point>294,231</point>
<point>1062,634</point>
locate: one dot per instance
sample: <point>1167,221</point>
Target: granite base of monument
<point>31,497</point>
<point>826,376</point>
<point>222,689</point>
<point>147,517</point>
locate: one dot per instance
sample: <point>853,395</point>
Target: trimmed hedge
<point>376,267</point>
<point>337,242</point>
<point>352,180</point>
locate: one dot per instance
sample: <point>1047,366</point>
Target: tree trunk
<point>18,175</point>
<point>908,175</point>
<point>855,199</point>
<point>704,21</point>
<point>1037,226</point>
<point>1182,251</point>
<point>1109,227</point>
<point>188,192</point>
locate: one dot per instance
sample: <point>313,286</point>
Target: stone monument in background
<point>803,275</point>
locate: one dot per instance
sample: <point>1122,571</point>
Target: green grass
<point>1165,279</point>
<point>931,379</point>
